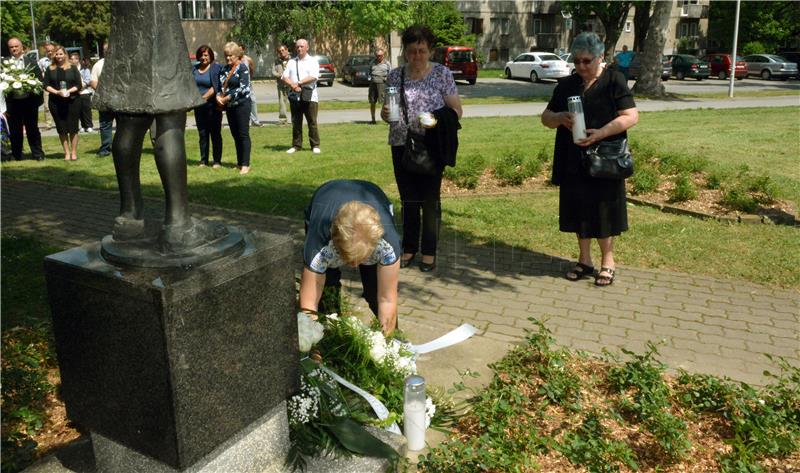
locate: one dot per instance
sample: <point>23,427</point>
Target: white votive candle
<point>414,412</point>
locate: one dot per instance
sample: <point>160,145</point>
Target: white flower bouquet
<point>18,80</point>
<point>324,418</point>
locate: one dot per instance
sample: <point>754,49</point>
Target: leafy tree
<point>641,23</point>
<point>649,81</point>
<point>772,23</point>
<point>611,14</point>
<point>16,21</point>
<point>76,21</point>
<point>445,20</point>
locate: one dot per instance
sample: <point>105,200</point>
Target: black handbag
<point>609,159</point>
<point>416,157</point>
<point>306,91</point>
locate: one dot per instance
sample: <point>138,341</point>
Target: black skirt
<point>66,113</point>
<point>592,208</point>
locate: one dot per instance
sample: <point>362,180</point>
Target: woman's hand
<point>221,100</point>
<point>593,136</point>
<point>566,119</point>
<point>385,113</point>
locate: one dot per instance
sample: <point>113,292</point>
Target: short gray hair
<point>589,43</point>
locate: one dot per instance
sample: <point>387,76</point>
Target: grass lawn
<point>764,139</point>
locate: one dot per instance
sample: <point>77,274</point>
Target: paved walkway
<point>710,325</point>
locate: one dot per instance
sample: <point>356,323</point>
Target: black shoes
<point>427,267</point>
<point>404,263</point>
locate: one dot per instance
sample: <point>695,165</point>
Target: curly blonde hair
<point>355,231</point>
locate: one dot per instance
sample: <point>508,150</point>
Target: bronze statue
<point>147,80</point>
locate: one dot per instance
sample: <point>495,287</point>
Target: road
<point>486,87</point>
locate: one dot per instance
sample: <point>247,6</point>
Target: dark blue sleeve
<point>216,70</point>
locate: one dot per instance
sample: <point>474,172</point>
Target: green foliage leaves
<point>763,26</point>
<point>591,446</point>
<point>513,168</point>
<point>468,171</point>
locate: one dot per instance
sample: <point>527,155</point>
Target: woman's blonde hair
<point>233,48</point>
<point>355,231</point>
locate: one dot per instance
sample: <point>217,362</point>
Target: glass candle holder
<point>393,100</point>
<point>575,107</point>
<point>414,412</point>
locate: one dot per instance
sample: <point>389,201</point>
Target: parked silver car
<point>768,66</point>
<point>536,66</point>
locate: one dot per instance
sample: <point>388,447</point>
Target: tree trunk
<point>649,82</point>
<point>641,23</point>
<point>613,19</point>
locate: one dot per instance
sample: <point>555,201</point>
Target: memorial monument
<point>176,341</point>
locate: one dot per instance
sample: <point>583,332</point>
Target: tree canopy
<point>611,14</point>
<point>771,23</point>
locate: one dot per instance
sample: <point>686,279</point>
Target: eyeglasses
<point>584,62</point>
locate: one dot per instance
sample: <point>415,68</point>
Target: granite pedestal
<point>174,363</point>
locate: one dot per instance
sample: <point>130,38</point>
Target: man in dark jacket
<point>23,109</point>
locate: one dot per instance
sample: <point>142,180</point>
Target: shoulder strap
<point>230,74</point>
<point>403,104</point>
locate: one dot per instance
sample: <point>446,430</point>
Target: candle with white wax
<point>575,107</point>
<point>414,412</point>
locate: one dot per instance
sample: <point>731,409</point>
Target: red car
<point>460,60</point>
<point>721,66</point>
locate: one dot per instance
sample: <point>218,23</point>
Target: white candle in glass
<point>575,107</point>
<point>414,412</point>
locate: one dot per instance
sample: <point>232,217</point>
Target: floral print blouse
<point>239,84</point>
<point>424,95</point>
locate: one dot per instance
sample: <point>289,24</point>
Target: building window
<point>504,54</point>
<point>536,27</point>
<point>501,24</point>
<point>684,4</point>
<point>208,9</point>
<point>688,29</point>
<point>493,54</point>
<point>474,25</point>
<point>627,26</point>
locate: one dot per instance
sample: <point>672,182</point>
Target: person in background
<point>623,60</point>
<point>428,87</point>
<point>106,117</point>
<point>301,72</point>
<point>234,96</point>
<point>44,63</point>
<point>63,81</point>
<point>277,69</point>
<point>350,223</point>
<point>86,92</point>
<point>23,112</point>
<point>251,66</point>
<point>588,207</point>
<point>379,71</point>
<point>207,117</point>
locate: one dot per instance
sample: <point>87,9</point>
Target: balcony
<point>694,11</point>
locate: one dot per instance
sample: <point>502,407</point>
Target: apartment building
<point>505,29</point>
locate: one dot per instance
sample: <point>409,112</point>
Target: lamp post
<point>33,30</point>
<point>733,54</point>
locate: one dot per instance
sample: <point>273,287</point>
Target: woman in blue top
<point>235,97</point>
<point>208,119</point>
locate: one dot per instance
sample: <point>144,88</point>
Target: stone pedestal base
<point>174,362</point>
<point>260,448</point>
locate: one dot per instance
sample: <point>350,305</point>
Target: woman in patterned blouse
<point>235,98</point>
<point>428,87</point>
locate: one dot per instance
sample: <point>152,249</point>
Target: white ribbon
<point>457,335</point>
<point>377,406</point>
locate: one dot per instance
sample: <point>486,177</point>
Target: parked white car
<point>536,66</point>
<point>568,59</point>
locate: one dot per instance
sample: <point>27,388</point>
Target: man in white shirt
<point>302,72</point>
<point>106,117</point>
<point>44,63</point>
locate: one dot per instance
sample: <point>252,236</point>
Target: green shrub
<point>512,169</point>
<point>714,180</point>
<point>684,189</point>
<point>645,179</point>
<point>678,163</point>
<point>753,47</point>
<point>467,172</point>
<point>764,188</point>
<point>590,446</point>
<point>737,198</point>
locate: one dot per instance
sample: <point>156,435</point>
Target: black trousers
<point>239,122</point>
<point>418,194</point>
<point>369,284</point>
<point>24,113</point>
<point>309,110</point>
<point>209,126</point>
<point>86,111</point>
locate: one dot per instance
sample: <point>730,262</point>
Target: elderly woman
<point>63,81</point>
<point>590,207</point>
<point>235,98</point>
<point>350,223</point>
<point>427,87</point>
<point>208,119</point>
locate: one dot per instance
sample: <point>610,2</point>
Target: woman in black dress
<point>590,207</point>
<point>63,81</point>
